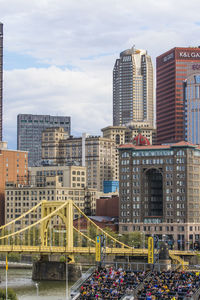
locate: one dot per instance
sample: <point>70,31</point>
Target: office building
<point>177,95</point>
<point>1,79</point>
<point>96,153</point>
<point>133,98</point>
<point>13,167</point>
<point>160,191</point>
<point>29,133</point>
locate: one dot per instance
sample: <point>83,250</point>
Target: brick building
<point>13,167</point>
<point>101,221</point>
<point>108,206</point>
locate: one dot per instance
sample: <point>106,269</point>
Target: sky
<point>59,54</point>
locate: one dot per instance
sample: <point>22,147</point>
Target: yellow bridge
<point>54,232</point>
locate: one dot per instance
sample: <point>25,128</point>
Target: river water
<point>27,289</point>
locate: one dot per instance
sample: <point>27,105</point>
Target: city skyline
<point>59,60</point>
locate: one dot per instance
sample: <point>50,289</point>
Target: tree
<point>109,241</point>
<point>134,239</point>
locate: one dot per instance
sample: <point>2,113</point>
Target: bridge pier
<point>54,270</point>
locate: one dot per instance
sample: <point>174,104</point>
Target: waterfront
<point>20,281</point>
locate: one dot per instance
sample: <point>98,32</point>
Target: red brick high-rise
<point>172,70</point>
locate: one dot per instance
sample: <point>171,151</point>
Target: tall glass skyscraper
<point>1,77</point>
<point>133,98</point>
<point>192,108</point>
<point>29,133</point>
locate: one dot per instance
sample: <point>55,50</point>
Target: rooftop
<point>168,146</point>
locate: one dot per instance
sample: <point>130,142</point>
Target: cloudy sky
<point>59,54</point>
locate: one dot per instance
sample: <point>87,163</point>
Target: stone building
<point>160,191</point>
<point>126,134</point>
<point>96,153</point>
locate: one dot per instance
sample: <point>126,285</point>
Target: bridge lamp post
<point>37,288</point>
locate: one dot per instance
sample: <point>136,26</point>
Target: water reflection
<point>27,289</point>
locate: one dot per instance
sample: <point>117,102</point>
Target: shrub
<point>11,294</point>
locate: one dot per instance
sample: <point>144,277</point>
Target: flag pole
<point>6,278</point>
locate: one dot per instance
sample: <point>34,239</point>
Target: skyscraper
<point>133,88</point>
<point>29,133</point>
<point>178,95</point>
<point>1,77</point>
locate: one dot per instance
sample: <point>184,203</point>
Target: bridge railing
<point>75,288</point>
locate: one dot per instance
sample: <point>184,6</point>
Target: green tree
<point>109,241</point>
<point>134,239</point>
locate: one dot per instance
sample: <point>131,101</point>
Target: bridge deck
<point>84,250</point>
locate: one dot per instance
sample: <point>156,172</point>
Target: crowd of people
<point>170,285</point>
<point>110,283</point>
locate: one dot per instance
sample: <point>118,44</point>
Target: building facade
<point>20,198</point>
<point>68,176</point>
<point>160,191</point>
<point>96,153</point>
<point>177,95</point>
<point>13,167</point>
<point>192,108</point>
<point>108,206</point>
<point>29,133</point>
<point>1,79</point>
<point>125,134</point>
<point>133,98</point>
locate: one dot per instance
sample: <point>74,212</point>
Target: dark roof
<point>101,218</point>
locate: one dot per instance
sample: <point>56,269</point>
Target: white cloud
<point>86,36</point>
<point>57,92</point>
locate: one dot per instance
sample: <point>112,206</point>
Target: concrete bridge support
<point>54,270</point>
